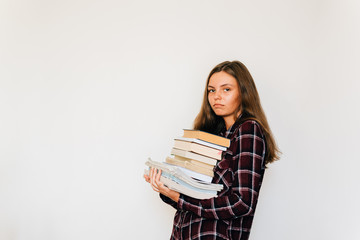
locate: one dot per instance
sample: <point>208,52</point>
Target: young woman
<point>231,108</point>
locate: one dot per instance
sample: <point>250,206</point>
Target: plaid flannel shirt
<point>230,214</point>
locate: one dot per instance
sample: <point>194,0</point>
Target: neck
<point>230,120</point>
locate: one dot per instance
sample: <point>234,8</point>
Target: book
<point>194,174</point>
<point>176,172</point>
<point>195,140</point>
<point>208,137</point>
<point>180,186</point>
<point>176,179</point>
<point>198,148</point>
<point>191,164</point>
<point>177,185</point>
<point>195,156</point>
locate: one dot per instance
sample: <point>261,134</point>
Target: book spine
<point>194,156</point>
<point>202,142</point>
<point>198,148</point>
<point>212,138</point>
<point>191,166</point>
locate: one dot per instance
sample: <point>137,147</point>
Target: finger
<point>157,179</point>
<point>158,175</point>
<point>151,175</point>
<point>147,178</point>
<point>160,185</point>
<point>150,172</point>
<point>154,188</point>
<point>152,180</point>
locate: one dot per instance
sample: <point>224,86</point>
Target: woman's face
<point>224,95</point>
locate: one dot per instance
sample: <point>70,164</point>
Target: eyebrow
<point>226,84</point>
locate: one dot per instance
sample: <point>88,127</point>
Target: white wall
<point>90,89</point>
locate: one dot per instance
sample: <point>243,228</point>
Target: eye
<point>227,89</point>
<point>211,90</point>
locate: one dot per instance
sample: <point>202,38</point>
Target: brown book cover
<point>194,162</point>
<point>195,156</point>
<point>212,138</point>
<point>198,148</point>
<point>191,165</point>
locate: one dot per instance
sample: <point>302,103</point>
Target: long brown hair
<point>250,107</point>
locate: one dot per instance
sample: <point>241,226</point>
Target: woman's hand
<point>154,179</point>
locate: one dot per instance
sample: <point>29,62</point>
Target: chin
<point>220,114</point>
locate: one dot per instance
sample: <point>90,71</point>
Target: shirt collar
<point>231,129</point>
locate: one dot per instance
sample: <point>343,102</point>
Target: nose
<point>217,95</point>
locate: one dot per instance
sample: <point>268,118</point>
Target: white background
<point>90,89</point>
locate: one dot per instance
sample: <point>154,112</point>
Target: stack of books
<point>177,180</point>
<point>191,168</point>
<point>197,152</point>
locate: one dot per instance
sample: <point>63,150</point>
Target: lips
<point>217,105</point>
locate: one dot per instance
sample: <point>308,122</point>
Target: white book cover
<point>184,188</point>
<point>176,172</point>
<point>202,142</point>
<point>195,175</point>
<point>187,190</point>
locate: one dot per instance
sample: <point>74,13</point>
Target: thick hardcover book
<point>192,165</point>
<point>195,175</point>
<point>202,142</point>
<point>208,137</point>
<point>198,148</point>
<point>195,156</point>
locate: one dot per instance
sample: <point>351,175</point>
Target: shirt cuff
<point>168,200</point>
<point>180,203</point>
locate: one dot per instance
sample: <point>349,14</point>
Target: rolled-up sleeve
<point>168,201</point>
